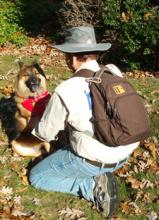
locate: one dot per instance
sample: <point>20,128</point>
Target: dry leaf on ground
<point>135,184</point>
<point>152,215</point>
<point>71,214</point>
<point>152,147</point>
<point>126,207</point>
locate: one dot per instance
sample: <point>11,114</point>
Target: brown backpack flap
<point>119,116</point>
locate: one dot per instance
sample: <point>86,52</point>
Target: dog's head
<point>30,81</point>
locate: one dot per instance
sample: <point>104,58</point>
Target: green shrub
<point>131,25</point>
<point>134,24</point>
<point>22,18</point>
<point>9,23</point>
<point>37,16</point>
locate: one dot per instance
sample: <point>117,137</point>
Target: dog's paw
<point>46,146</point>
<point>25,151</point>
<point>39,149</point>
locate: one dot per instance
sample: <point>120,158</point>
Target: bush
<point>9,23</point>
<point>76,13</point>
<point>38,16</point>
<point>22,18</point>
<point>133,26</point>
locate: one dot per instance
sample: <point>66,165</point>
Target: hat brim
<point>75,48</point>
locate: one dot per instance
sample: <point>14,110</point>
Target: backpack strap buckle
<point>93,80</point>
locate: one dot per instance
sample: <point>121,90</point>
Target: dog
<point>20,112</point>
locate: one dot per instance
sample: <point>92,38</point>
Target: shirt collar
<point>90,65</point>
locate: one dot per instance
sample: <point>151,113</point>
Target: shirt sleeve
<point>52,121</point>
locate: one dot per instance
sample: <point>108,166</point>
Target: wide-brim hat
<point>81,39</point>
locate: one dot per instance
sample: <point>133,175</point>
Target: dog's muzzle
<point>33,83</point>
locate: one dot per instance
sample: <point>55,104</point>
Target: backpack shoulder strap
<point>84,73</point>
<point>100,72</point>
<point>110,69</point>
<point>96,78</point>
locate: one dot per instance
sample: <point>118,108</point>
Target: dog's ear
<point>34,63</point>
<point>21,64</point>
<point>39,69</point>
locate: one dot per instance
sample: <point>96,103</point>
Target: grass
<point>46,205</point>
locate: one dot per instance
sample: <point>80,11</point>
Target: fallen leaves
<point>6,192</point>
<point>11,205</point>
<point>145,197</point>
<point>126,207</point>
<point>152,215</point>
<point>136,184</point>
<point>143,159</point>
<point>139,74</point>
<point>13,213</point>
<point>152,148</point>
<point>37,201</point>
<point>3,159</point>
<point>71,214</point>
<point>38,46</point>
<point>136,173</point>
<point>20,171</point>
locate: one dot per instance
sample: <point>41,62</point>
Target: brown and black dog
<point>20,112</point>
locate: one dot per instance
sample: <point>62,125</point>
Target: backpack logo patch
<point>118,89</point>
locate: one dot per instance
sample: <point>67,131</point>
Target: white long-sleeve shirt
<point>69,104</point>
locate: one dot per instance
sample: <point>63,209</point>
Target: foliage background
<point>28,28</point>
<point>131,26</point>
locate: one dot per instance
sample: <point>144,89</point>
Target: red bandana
<point>37,104</point>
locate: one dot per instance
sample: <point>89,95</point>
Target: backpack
<point>119,116</point>
<point>118,113</point>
